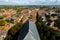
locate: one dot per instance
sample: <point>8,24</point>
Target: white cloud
<point>52,0</point>
<point>4,0</point>
<point>30,2</point>
<point>27,3</point>
<point>17,2</point>
<point>20,2</point>
<point>34,0</point>
<point>7,0</point>
<point>42,0</point>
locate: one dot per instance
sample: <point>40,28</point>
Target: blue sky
<point>29,2</point>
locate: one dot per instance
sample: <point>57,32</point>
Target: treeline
<point>14,32</point>
<point>46,33</point>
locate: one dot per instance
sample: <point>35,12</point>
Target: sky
<point>29,2</point>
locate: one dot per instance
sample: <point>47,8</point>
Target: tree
<point>41,35</point>
<point>38,18</point>
<point>15,28</point>
<point>14,32</point>
<point>1,17</point>
<point>53,37</point>
<point>44,38</point>
<point>9,37</point>
<point>57,23</point>
<point>10,20</point>
<point>2,23</point>
<point>48,34</point>
<point>45,32</point>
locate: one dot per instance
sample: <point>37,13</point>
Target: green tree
<point>45,32</point>
<point>2,23</point>
<point>48,34</point>
<point>57,23</point>
<point>15,28</point>
<point>1,17</point>
<point>53,37</point>
<point>10,20</point>
<point>41,35</point>
<point>44,38</point>
<point>9,37</point>
<point>14,31</point>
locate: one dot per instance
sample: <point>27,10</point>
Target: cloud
<point>42,0</point>
<point>52,0</point>
<point>7,0</point>
<point>15,2</point>
<point>30,2</point>
<point>34,0</point>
